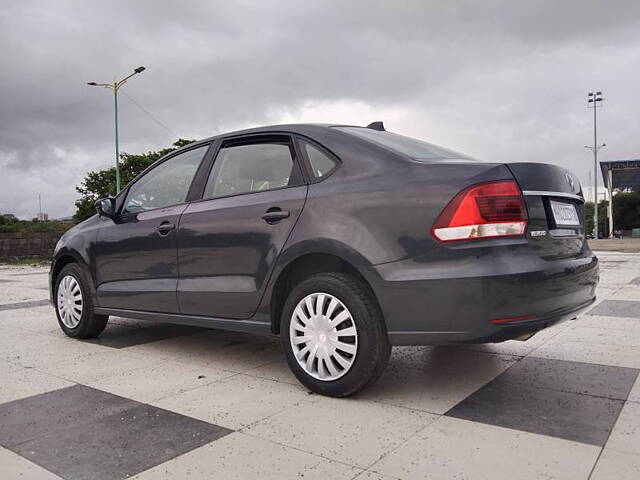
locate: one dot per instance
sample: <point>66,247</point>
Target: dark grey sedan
<point>342,240</point>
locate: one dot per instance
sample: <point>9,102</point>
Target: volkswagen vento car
<point>342,240</point>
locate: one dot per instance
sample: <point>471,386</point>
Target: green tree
<point>588,214</point>
<point>102,183</point>
<point>626,213</point>
<point>626,210</point>
<point>14,225</point>
<point>603,223</point>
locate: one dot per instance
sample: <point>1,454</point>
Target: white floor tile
<point>20,382</point>
<point>352,431</point>
<point>159,380</point>
<point>634,395</point>
<point>429,391</point>
<point>203,349</point>
<point>453,448</point>
<point>235,402</point>
<point>614,465</point>
<point>625,435</point>
<point>14,466</point>
<point>616,355</point>
<point>629,325</point>
<point>243,457</point>
<point>97,365</point>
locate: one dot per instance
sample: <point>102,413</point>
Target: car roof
<point>301,128</point>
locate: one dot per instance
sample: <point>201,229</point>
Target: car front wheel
<point>333,334</point>
<point>73,304</point>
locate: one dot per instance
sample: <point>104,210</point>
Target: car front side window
<point>165,185</point>
<point>250,168</point>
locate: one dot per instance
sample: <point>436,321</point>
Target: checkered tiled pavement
<point>163,401</point>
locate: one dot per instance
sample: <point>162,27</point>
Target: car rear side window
<point>321,163</point>
<point>249,168</point>
<point>165,185</point>
<point>411,147</point>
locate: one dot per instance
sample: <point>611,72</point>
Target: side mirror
<point>106,207</point>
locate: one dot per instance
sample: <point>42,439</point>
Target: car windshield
<point>416,149</point>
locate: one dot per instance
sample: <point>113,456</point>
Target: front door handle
<point>274,215</point>
<point>165,227</point>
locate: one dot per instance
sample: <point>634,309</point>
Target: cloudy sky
<point>499,80</point>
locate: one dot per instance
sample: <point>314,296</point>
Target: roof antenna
<point>376,126</point>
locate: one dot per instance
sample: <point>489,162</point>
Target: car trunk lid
<point>555,206</point>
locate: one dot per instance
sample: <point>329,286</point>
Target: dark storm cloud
<point>500,80</point>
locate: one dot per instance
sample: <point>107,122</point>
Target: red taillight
<point>488,210</point>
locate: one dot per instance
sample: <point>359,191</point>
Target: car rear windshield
<point>416,149</point>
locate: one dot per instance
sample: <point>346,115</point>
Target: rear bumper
<point>454,300</point>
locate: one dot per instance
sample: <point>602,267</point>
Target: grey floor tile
<point>617,308</point>
<point>82,433</point>
<point>137,439</point>
<point>28,304</point>
<point>24,419</point>
<point>560,414</point>
<point>21,274</point>
<point>576,377</point>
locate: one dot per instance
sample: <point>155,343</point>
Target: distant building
<point>42,217</point>
<point>621,175</point>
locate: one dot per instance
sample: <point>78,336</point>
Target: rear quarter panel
<point>385,215</point>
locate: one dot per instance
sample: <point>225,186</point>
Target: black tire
<point>373,347</point>
<point>90,324</point>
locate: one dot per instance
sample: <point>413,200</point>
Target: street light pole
<point>115,102</point>
<point>115,86</point>
<point>593,99</point>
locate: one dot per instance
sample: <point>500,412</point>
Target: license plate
<point>564,213</point>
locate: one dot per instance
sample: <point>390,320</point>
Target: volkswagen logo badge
<point>569,179</point>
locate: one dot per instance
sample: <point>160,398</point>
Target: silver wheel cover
<point>323,336</point>
<point>69,301</point>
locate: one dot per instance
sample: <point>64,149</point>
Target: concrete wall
<point>29,244</point>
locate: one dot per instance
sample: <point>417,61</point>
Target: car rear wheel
<point>73,304</point>
<point>333,334</point>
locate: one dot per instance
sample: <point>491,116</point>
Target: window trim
<point>121,198</point>
<point>311,178</point>
<point>252,139</point>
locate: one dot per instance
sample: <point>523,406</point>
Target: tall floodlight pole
<point>592,102</point>
<point>115,86</point>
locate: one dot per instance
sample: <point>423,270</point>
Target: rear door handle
<point>274,215</point>
<point>165,227</point>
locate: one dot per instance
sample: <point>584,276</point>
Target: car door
<point>136,253</point>
<point>229,241</point>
